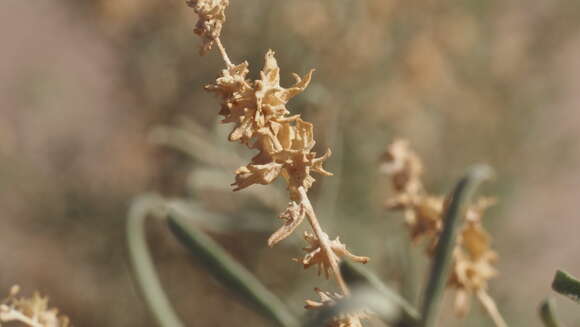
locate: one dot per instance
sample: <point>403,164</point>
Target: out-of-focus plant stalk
<point>143,266</point>
<point>361,299</point>
<point>548,313</point>
<point>228,271</point>
<point>567,285</point>
<point>439,272</point>
<point>357,276</point>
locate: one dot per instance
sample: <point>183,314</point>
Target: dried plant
<point>32,311</point>
<point>451,227</point>
<point>473,258</point>
<point>284,142</point>
<point>351,319</point>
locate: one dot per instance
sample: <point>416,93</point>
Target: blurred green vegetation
<point>94,91</point>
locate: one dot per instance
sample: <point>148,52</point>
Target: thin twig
<point>223,52</point>
<point>323,239</point>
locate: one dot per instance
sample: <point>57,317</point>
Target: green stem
<point>566,285</point>
<point>548,313</point>
<point>228,271</point>
<point>438,275</point>
<point>143,266</point>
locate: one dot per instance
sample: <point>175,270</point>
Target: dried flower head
<point>211,17</point>
<point>292,216</point>
<point>260,117</point>
<point>328,299</point>
<point>404,167</point>
<point>315,254</point>
<point>284,142</point>
<point>473,261</point>
<point>424,219</point>
<point>473,258</point>
<point>33,311</point>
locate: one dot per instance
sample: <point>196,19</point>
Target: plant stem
<point>362,299</point>
<point>357,276</point>
<point>143,266</point>
<point>567,285</point>
<point>491,309</point>
<point>227,270</point>
<point>223,52</point>
<point>548,314</point>
<point>439,272</point>
<point>323,239</point>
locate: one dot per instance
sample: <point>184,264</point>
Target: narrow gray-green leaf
<point>548,313</point>
<point>356,276</point>
<point>143,266</point>
<point>228,271</point>
<point>567,285</point>
<point>438,274</point>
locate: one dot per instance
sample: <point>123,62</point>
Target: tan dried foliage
<point>315,254</point>
<point>473,257</point>
<point>404,167</point>
<point>284,142</point>
<point>212,16</point>
<point>261,121</point>
<point>33,311</point>
<point>293,217</point>
<point>329,299</point>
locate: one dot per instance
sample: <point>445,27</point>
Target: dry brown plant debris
<point>284,142</point>
<point>345,320</point>
<point>473,257</point>
<point>32,311</point>
<point>212,16</point>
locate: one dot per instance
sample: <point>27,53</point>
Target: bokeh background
<point>102,100</point>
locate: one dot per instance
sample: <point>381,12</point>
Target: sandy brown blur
<point>85,86</point>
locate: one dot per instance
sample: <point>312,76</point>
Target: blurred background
<point>102,100</point>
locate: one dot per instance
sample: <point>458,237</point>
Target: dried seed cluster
<point>345,320</point>
<point>261,121</point>
<point>315,254</point>
<point>212,16</point>
<point>473,257</point>
<point>33,311</point>
<point>284,142</point>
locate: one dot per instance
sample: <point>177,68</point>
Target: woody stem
<point>323,239</point>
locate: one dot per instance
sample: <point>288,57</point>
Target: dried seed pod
<point>328,299</point>
<point>211,17</point>
<point>292,216</point>
<point>258,110</point>
<point>315,255</point>
<point>32,311</point>
<point>473,258</point>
